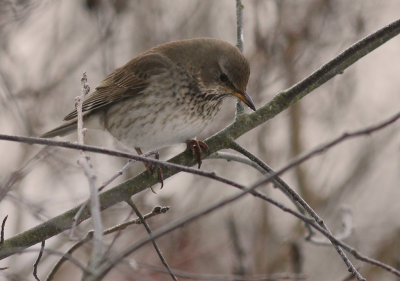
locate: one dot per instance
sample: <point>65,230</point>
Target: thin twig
<point>346,213</point>
<point>124,168</point>
<point>3,226</point>
<point>107,182</point>
<point>347,224</point>
<point>90,148</point>
<point>68,257</point>
<point>239,44</point>
<point>160,255</point>
<point>236,158</point>
<point>78,105</point>
<point>239,25</point>
<point>277,181</point>
<point>35,266</point>
<point>156,211</point>
<point>299,201</point>
<point>84,162</point>
<point>117,174</point>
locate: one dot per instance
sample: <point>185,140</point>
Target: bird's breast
<point>162,116</point>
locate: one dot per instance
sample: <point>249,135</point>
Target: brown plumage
<point>165,95</point>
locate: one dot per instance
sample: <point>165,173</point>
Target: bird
<point>166,95</point>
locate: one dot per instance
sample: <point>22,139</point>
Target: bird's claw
<point>195,147</point>
<point>152,167</point>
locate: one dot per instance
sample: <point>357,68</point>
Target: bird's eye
<point>223,78</point>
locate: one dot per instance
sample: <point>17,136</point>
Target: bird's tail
<point>62,130</point>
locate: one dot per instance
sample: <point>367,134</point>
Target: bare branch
<point>156,211</point>
<point>236,158</point>
<point>110,180</point>
<point>300,203</point>
<point>35,266</point>
<point>239,43</point>
<point>3,226</point>
<point>347,222</point>
<point>160,255</point>
<point>84,162</point>
<point>67,257</point>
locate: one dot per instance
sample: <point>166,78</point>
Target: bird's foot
<point>195,147</point>
<point>151,167</point>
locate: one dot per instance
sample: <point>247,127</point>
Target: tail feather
<point>62,130</point>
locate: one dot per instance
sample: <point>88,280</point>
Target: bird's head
<point>221,67</point>
<point>227,71</point>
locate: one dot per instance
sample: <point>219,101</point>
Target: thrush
<point>166,95</point>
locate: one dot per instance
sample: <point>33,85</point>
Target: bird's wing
<point>124,82</point>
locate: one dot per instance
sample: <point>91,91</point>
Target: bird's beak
<point>244,97</point>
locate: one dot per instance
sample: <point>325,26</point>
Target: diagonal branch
<point>155,245</point>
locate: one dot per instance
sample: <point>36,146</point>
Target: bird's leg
<point>150,167</point>
<point>195,146</point>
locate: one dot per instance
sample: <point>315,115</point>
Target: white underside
<point>156,125</point>
<point>172,129</point>
<point>151,123</point>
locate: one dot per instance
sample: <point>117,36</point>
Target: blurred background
<point>45,46</point>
